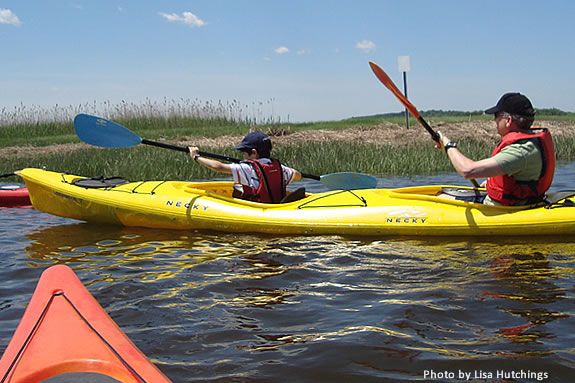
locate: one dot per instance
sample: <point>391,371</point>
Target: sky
<point>294,60</point>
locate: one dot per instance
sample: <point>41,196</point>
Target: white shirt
<point>244,174</point>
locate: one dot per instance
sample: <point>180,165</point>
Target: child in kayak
<point>259,178</point>
<point>521,167</point>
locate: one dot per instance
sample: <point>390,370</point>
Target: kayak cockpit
<point>463,194</point>
<point>226,189</point>
<point>454,195</point>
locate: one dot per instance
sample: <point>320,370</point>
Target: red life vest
<point>508,191</point>
<point>270,176</point>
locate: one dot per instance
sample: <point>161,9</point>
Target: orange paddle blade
<point>384,78</point>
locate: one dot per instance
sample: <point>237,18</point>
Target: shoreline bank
<point>380,149</point>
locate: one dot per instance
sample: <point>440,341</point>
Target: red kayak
<point>65,330</point>
<point>14,196</point>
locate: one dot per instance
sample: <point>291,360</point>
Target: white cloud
<point>8,17</point>
<point>187,18</point>
<point>304,51</point>
<point>281,50</point>
<point>365,45</point>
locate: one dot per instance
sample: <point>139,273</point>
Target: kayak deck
<point>65,330</point>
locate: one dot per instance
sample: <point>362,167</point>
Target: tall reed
<point>152,163</point>
<point>185,118</point>
<point>39,126</point>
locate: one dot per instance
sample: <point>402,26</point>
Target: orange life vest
<point>508,191</point>
<point>270,176</point>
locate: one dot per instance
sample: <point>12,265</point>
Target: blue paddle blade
<point>101,132</point>
<point>348,181</point>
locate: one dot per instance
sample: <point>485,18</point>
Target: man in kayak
<point>261,178</point>
<point>521,167</point>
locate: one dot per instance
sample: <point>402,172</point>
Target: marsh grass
<point>173,119</point>
<point>38,126</point>
<point>565,148</point>
<point>380,160</point>
<point>179,119</point>
<point>149,163</point>
<point>145,163</point>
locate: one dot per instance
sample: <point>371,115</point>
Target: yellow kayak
<point>417,211</point>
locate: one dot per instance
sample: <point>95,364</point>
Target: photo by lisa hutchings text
<point>536,376</point>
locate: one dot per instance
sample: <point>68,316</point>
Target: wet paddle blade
<point>105,133</point>
<point>385,80</point>
<point>348,181</point>
<point>389,84</point>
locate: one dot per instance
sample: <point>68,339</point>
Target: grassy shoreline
<point>373,145</point>
<point>152,163</point>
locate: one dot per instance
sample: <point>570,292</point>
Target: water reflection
<point>153,254</point>
<point>520,290</point>
<point>228,305</point>
<point>528,292</point>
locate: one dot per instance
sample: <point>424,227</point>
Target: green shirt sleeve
<point>521,160</point>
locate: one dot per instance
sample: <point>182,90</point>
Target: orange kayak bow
<point>65,330</point>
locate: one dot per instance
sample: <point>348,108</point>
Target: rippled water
<point>229,307</point>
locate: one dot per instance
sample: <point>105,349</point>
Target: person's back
<point>262,180</point>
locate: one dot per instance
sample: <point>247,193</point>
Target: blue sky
<point>291,60</point>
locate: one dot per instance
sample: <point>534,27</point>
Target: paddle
<point>384,78</point>
<point>105,133</point>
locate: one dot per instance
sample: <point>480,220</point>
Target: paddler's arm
<point>296,176</point>
<point>465,166</point>
<point>209,163</point>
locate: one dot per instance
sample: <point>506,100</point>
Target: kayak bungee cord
<point>42,316</point>
<point>29,337</point>
<point>362,204</point>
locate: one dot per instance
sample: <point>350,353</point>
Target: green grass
<point>380,160</point>
<point>37,134</point>
<point>145,162</point>
<point>565,148</point>
<point>152,163</point>
<point>173,120</point>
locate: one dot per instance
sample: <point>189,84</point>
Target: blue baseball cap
<point>258,141</point>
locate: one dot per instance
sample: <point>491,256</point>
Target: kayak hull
<point>65,330</point>
<point>414,211</point>
<point>14,197</point>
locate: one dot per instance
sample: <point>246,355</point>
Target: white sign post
<point>404,67</point>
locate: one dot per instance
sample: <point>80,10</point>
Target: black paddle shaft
<point>185,149</point>
<point>210,155</point>
<point>433,133</point>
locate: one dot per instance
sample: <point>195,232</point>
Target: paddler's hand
<point>194,152</point>
<point>443,140</point>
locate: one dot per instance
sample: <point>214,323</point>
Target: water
<point>209,307</point>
